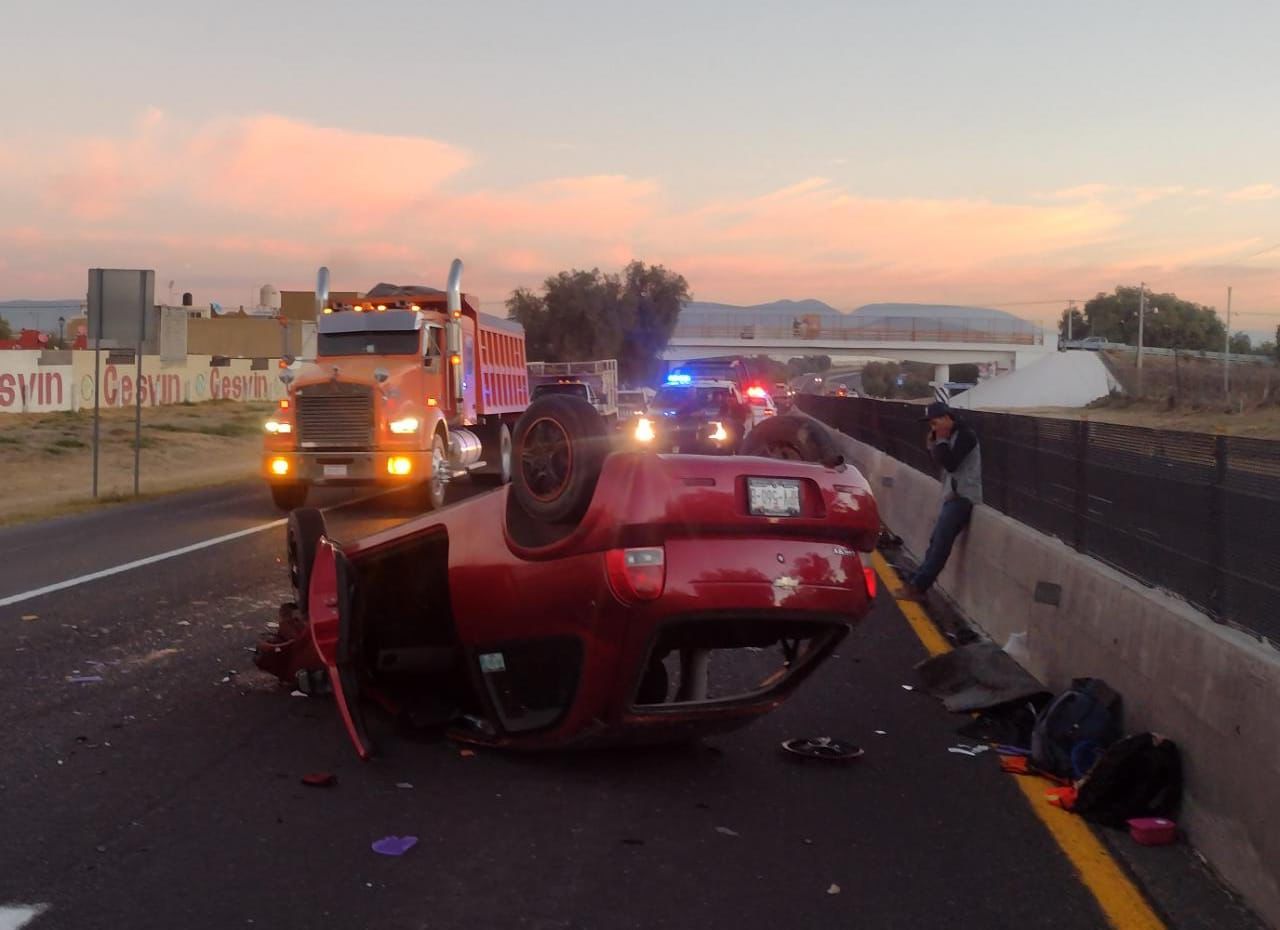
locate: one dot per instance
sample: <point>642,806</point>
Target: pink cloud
<point>1253,193</point>
<point>268,198</point>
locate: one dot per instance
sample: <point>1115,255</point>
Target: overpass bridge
<point>939,341</point>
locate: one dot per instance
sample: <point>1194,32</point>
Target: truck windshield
<point>391,343</point>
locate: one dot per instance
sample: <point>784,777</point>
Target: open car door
<point>331,622</point>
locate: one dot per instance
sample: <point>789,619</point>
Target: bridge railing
<point>1195,513</point>
<point>730,325</point>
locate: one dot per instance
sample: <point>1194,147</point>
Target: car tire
<point>289,496</point>
<point>496,446</point>
<point>797,438</point>
<point>302,540</point>
<point>559,448</point>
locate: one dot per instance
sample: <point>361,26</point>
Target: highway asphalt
<point>150,777</point>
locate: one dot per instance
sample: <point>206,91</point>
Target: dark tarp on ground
<point>977,677</point>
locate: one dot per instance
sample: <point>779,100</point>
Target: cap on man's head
<point>935,410</point>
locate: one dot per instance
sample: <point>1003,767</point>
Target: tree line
<point>1171,323</point>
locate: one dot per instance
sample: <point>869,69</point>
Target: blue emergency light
<point>677,377</point>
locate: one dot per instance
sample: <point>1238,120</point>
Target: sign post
<point>119,303</point>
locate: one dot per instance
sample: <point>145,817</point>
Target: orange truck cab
<point>411,386</point>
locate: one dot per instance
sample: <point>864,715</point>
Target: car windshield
<point>691,396</point>
<point>575,390</point>
<point>392,343</point>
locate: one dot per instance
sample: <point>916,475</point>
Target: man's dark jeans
<point>953,519</point>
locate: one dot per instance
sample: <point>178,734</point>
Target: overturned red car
<point>601,597</point>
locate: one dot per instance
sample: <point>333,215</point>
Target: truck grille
<point>335,416</point>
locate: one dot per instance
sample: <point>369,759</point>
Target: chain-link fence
<point>1194,513</point>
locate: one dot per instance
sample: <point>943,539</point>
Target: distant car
<point>597,599</point>
<point>1090,343</point>
<point>568,389</point>
<point>694,416</point>
<point>633,403</point>
<point>761,404</point>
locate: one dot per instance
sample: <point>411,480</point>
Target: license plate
<point>773,497</point>
<point>335,471</point>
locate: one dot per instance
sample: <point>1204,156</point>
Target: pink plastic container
<point>1153,831</point>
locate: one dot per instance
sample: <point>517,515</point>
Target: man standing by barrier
<point>954,447</point>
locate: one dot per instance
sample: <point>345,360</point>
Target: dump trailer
<point>600,377</point>
<point>410,386</point>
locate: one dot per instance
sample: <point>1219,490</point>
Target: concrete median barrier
<point>1211,688</point>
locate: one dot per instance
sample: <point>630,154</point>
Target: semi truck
<point>410,386</point>
<point>596,381</point>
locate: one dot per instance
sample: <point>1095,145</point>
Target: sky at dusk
<point>1006,154</point>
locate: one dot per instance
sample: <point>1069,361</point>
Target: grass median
<point>46,459</point>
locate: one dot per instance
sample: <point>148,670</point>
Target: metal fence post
<point>1218,602</point>
<point>1081,522</point>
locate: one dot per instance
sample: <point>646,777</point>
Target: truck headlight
<point>404,425</point>
<point>644,430</point>
<point>718,432</point>
<point>275,426</point>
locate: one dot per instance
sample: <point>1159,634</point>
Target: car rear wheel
<point>288,496</point>
<point>302,539</point>
<point>559,448</point>
<point>798,438</point>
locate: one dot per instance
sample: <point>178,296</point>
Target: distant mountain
<point>795,307</point>
<point>38,314</point>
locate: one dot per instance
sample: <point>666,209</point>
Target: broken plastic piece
<point>30,616</point>
<point>727,832</point>
<point>467,753</point>
<point>404,784</point>
<point>83,679</point>
<point>394,845</point>
<point>834,889</point>
<point>297,694</point>
<point>320,779</point>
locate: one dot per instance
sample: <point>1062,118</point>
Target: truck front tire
<point>289,496</point>
<point>302,539</point>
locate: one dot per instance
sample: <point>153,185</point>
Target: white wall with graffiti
<point>27,386</point>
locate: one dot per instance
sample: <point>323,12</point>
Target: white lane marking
<point>161,557</point>
<point>16,916</point>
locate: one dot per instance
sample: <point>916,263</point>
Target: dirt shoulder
<point>1258,423</point>
<point>47,459</point>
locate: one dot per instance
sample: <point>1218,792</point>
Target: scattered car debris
<point>394,845</point>
<point>184,623</point>
<point>30,617</point>
<point>320,779</point>
<point>467,753</point>
<point>834,889</point>
<point>727,832</point>
<point>296,693</point>
<point>822,747</point>
<point>407,786</point>
<point>84,679</point>
<point>908,688</point>
<point>881,733</point>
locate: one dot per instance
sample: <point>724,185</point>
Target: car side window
<point>432,352</point>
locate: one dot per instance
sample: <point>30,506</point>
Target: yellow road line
<point>1121,902</point>
<point>915,613</point>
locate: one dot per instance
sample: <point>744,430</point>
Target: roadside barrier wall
<point>42,382</point>
<point>1213,689</point>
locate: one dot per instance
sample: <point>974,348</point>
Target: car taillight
<point>869,574</point>
<point>637,574</point>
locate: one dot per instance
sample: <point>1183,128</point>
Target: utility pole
<point>1071,312</point>
<point>1142,315</point>
<point>1226,353</point>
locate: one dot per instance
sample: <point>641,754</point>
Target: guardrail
<point>1083,345</point>
<point>1193,513</point>
<point>878,329</point>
